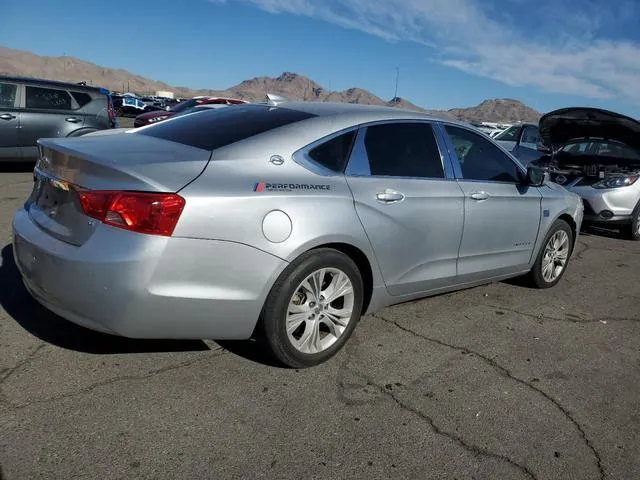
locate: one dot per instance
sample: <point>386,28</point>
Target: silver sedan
<point>285,220</point>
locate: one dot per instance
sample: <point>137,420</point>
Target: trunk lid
<point>126,161</point>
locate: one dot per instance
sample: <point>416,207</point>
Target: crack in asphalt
<point>575,319</point>
<point>5,374</point>
<point>458,439</point>
<point>111,381</point>
<point>508,374</point>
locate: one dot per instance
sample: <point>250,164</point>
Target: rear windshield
<point>217,128</point>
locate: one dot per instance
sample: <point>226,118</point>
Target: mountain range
<point>290,85</point>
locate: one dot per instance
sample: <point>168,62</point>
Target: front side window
<point>530,137</point>
<point>480,159</point>
<point>334,153</point>
<point>47,98</point>
<point>8,95</point>
<point>403,150</point>
<point>509,135</point>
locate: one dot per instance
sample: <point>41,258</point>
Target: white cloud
<point>566,54</point>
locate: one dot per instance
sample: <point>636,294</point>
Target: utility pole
<point>395,95</point>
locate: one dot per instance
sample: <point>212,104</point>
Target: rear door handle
<point>389,196</point>
<point>479,196</point>
<point>73,119</point>
<point>7,116</point>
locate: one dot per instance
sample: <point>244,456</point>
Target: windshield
<point>184,105</point>
<point>601,148</point>
<point>510,134</point>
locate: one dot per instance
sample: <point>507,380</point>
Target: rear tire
<point>553,257</point>
<point>313,308</point>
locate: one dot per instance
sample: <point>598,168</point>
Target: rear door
<point>410,205</point>
<point>502,214</point>
<point>9,121</point>
<point>48,113</point>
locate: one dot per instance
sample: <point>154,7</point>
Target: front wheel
<point>313,308</point>
<point>633,230</point>
<point>553,257</point>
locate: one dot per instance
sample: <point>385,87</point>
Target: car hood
<point>562,126</point>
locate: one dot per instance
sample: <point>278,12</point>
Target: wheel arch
<point>362,262</point>
<point>572,223</point>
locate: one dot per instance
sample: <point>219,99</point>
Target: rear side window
<point>8,95</point>
<point>334,153</point>
<point>47,98</point>
<point>81,98</point>
<point>403,150</point>
<point>217,128</point>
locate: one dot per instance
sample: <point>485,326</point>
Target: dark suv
<point>31,109</point>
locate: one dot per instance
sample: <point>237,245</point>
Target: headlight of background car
<point>157,119</point>
<point>616,182</point>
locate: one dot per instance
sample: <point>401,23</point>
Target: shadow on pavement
<point>47,326</point>
<point>16,167</point>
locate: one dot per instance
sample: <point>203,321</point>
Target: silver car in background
<point>596,154</point>
<point>285,220</point>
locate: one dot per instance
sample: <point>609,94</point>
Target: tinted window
<point>81,97</point>
<point>334,153</point>
<point>184,105</point>
<point>8,95</point>
<point>47,98</point>
<point>531,135</point>
<point>220,127</point>
<point>480,159</point>
<point>403,150</point>
<point>510,134</point>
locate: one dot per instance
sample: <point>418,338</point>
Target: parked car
<point>290,222</point>
<point>596,154</point>
<point>523,141</point>
<point>158,116</point>
<point>31,108</point>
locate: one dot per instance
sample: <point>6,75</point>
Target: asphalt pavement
<point>496,382</point>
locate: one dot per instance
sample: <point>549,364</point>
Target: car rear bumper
<point>141,286</point>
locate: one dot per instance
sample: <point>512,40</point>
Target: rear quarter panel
<point>231,199</point>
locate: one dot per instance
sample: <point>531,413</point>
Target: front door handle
<point>73,119</point>
<point>389,196</point>
<point>7,116</point>
<point>479,196</point>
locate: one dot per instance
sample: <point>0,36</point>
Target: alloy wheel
<point>555,256</point>
<point>320,310</point>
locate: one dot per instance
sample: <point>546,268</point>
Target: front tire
<point>633,230</point>
<point>552,260</point>
<point>313,308</point>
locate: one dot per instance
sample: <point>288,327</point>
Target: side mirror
<point>536,176</point>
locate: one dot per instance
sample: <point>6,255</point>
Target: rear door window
<point>216,128</point>
<point>403,150</point>
<point>81,98</point>
<point>8,93</point>
<point>47,98</point>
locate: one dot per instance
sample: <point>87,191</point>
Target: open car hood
<point>562,126</point>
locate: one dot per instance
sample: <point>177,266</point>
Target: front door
<point>411,210</point>
<point>9,122</point>
<point>502,215</point>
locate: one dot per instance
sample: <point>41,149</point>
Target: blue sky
<point>451,53</point>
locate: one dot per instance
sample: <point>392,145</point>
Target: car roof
<point>53,83</point>
<point>367,112</point>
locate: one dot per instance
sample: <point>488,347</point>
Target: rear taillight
<point>142,212</point>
